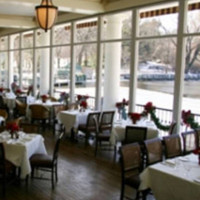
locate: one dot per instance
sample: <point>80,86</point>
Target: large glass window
<point>14,41</point>
<point>86,30</point>
<point>62,34</point>
<point>85,72</point>
<point>4,43</point>
<point>61,69</point>
<point>156,72</point>
<point>42,38</point>
<point>27,68</point>
<point>27,39</point>
<point>15,67</point>
<point>159,20</point>
<point>3,69</point>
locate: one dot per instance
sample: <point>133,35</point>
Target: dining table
<point>19,150</point>
<point>173,179</point>
<point>119,129</point>
<point>72,118</point>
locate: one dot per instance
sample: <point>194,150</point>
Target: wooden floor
<point>81,176</point>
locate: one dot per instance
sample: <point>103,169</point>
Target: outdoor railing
<point>165,116</point>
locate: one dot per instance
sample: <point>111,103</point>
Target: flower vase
<point>124,115</point>
<point>43,100</point>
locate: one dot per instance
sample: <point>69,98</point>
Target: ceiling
<point>20,14</point>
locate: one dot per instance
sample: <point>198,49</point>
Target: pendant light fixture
<point>46,14</point>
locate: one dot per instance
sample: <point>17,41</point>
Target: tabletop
<point>72,118</point>
<point>18,151</point>
<point>118,130</point>
<point>174,179</point>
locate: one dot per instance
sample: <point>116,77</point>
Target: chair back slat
<point>90,121</point>
<point>106,121</point>
<point>154,151</point>
<point>172,146</point>
<point>135,134</point>
<point>131,159</point>
<point>190,141</point>
<point>55,153</point>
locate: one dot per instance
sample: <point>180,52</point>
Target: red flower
<point>83,104</point>
<point>18,91</point>
<point>197,151</point>
<point>121,104</point>
<point>149,107</point>
<point>12,127</point>
<point>44,96</point>
<point>187,117</point>
<point>82,97</point>
<point>135,116</point>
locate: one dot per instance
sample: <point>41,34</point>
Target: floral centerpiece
<point>83,105</point>
<point>134,117</point>
<point>44,97</point>
<point>18,91</point>
<point>1,90</point>
<point>188,119</point>
<point>30,90</point>
<point>82,97</point>
<point>197,152</point>
<point>64,97</point>
<point>13,128</point>
<point>82,101</point>
<point>121,108</point>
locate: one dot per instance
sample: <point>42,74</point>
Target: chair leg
<point>52,178</point>
<point>122,192</point>
<point>56,173</point>
<point>96,147</point>
<point>32,172</point>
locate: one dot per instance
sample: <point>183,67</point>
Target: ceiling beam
<point>123,4</point>
<point>77,6</point>
<point>17,22</point>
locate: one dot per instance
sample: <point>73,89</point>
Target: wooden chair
<point>20,109</point>
<point>172,145</point>
<point>131,166</point>
<point>101,137</point>
<point>135,134</point>
<point>172,128</point>
<point>7,170</point>
<point>46,162</point>
<point>3,105</point>
<point>22,99</point>
<point>106,121</point>
<point>89,127</point>
<point>39,113</point>
<point>29,128</point>
<point>4,114</point>
<point>56,110</point>
<point>153,151</point>
<point>190,141</point>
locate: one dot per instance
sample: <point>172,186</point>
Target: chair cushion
<point>133,181</point>
<point>41,160</point>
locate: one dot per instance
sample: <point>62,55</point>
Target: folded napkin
<point>170,162</point>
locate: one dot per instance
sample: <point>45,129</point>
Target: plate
<point>185,159</point>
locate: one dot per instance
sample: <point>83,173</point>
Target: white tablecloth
<point>71,119</point>
<point>18,151</point>
<point>118,131</point>
<point>172,181</point>
<point>48,105</point>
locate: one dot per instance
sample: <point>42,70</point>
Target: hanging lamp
<point>46,14</point>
